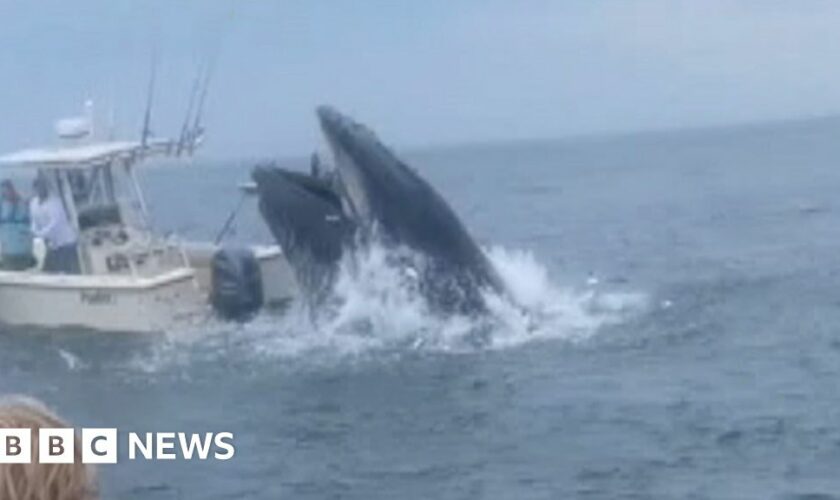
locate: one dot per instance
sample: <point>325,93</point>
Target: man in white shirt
<point>50,222</point>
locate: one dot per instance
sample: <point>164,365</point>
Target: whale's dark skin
<point>305,216</point>
<point>387,194</point>
<point>376,195</point>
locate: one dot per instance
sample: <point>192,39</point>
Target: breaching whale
<point>372,196</point>
<point>305,216</point>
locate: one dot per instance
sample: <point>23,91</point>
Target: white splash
<point>541,310</point>
<point>376,306</point>
<point>72,361</point>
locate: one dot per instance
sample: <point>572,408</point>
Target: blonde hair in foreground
<point>36,481</point>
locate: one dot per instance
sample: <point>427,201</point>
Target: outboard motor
<point>237,289</point>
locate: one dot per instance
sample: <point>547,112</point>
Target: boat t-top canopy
<point>85,155</point>
<point>95,176</point>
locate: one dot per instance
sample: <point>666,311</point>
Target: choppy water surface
<point>681,339</point>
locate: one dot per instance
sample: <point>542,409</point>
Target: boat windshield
<point>105,195</point>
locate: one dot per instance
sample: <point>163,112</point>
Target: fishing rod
<point>196,132</point>
<point>197,129</point>
<point>147,118</point>
<point>185,128</point>
<point>248,189</point>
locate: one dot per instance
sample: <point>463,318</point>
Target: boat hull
<point>128,303</point>
<point>101,303</point>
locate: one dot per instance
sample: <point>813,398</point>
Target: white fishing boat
<point>133,278</point>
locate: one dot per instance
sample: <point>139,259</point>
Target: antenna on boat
<point>147,118</point>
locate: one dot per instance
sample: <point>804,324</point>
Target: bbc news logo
<point>101,446</point>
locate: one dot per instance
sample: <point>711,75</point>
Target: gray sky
<point>420,72</point>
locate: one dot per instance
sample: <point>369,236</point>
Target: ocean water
<point>682,338</point>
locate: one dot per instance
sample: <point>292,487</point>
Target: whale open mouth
<point>370,194</point>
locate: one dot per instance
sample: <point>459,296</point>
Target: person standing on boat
<point>15,235</point>
<point>50,222</point>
